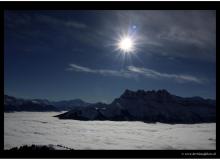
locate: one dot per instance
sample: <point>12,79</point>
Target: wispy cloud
<point>76,24</point>
<point>25,19</point>
<point>106,72</point>
<point>56,21</point>
<point>159,75</point>
<point>132,72</point>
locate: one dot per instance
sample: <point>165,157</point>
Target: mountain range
<point>148,106</point>
<point>19,104</point>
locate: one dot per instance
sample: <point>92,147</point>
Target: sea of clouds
<point>41,128</point>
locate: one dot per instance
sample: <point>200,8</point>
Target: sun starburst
<point>126,44</point>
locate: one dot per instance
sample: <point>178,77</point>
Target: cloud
<point>80,68</point>
<point>132,72</point>
<point>158,75</point>
<point>76,24</point>
<point>15,19</point>
<point>106,72</point>
<point>56,21</point>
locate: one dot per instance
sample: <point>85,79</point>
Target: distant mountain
<point>70,104</point>
<point>148,106</point>
<point>19,104</point>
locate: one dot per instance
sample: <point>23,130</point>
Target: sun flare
<point>126,44</point>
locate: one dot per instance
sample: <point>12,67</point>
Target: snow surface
<point>41,128</point>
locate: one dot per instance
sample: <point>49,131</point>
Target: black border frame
<point>105,5</point>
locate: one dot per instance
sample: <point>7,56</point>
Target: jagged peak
<point>128,91</point>
<point>162,92</point>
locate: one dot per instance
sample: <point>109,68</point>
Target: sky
<point>68,54</point>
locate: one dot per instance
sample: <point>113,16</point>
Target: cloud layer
<point>132,72</point>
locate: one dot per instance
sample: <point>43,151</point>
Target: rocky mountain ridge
<point>148,106</point>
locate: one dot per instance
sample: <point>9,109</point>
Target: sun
<point>126,44</point>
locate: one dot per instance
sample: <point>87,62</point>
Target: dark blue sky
<point>72,54</point>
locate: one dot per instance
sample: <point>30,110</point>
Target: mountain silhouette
<point>19,104</point>
<point>148,106</point>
